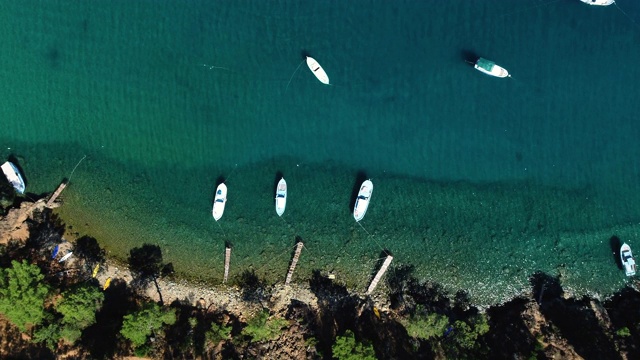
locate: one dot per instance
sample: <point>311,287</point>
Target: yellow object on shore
<point>106,284</point>
<point>376,312</point>
<point>95,270</point>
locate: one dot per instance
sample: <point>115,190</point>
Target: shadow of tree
<point>336,310</point>
<point>623,312</point>
<point>574,318</point>
<point>146,265</point>
<point>102,338</point>
<point>509,334</point>
<point>88,249</point>
<point>45,232</point>
<point>406,291</point>
<point>253,288</point>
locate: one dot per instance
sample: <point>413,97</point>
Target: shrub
<point>347,348</point>
<point>426,327</point>
<point>261,328</point>
<point>624,332</point>
<point>218,333</point>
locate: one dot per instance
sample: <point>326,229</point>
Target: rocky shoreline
<point>546,323</point>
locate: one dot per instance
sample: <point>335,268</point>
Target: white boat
<point>490,68</point>
<point>598,2</point>
<point>362,201</point>
<point>64,258</point>
<point>281,197</point>
<point>628,262</point>
<point>317,70</point>
<point>219,201</point>
<point>13,175</point>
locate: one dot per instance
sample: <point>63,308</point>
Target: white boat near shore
<point>362,201</point>
<point>628,262</point>
<point>13,175</point>
<point>66,257</point>
<point>490,68</point>
<point>219,201</point>
<point>281,197</point>
<point>598,2</point>
<point>317,70</point>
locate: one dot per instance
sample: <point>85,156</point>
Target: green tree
<point>347,348</point>
<point>465,336</point>
<point>22,294</point>
<point>78,308</point>
<point>262,328</point>
<point>49,335</point>
<point>140,324</point>
<point>426,327</point>
<point>218,333</point>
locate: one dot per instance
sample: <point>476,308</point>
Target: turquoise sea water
<point>478,182</point>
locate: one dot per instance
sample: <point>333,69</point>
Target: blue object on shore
<point>55,252</point>
<point>448,331</point>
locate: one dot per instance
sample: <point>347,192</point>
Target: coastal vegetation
<point>347,347</point>
<point>22,294</point>
<point>63,309</point>
<point>139,325</point>
<point>264,328</point>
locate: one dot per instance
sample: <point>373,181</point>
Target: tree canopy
<point>261,328</point>
<point>78,308</point>
<point>348,348</point>
<point>142,323</point>
<point>426,326</point>
<point>22,294</point>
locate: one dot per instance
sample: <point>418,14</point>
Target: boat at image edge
<point>598,2</point>
<point>317,70</point>
<point>13,175</point>
<point>628,262</point>
<point>490,68</point>
<point>362,201</point>
<point>281,197</point>
<point>219,201</point>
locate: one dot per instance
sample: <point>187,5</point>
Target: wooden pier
<point>292,267</point>
<point>56,193</point>
<point>378,276</point>
<point>227,259</point>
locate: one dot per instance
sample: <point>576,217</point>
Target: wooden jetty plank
<point>227,259</point>
<point>294,262</point>
<point>56,193</point>
<point>381,272</point>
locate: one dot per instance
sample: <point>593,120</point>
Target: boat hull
<point>490,68</point>
<point>628,262</point>
<point>317,70</point>
<point>13,176</point>
<point>598,2</point>
<point>363,199</point>
<point>281,197</point>
<point>219,201</point>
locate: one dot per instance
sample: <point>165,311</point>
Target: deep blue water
<point>479,182</point>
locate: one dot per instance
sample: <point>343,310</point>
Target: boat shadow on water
<point>361,176</point>
<point>276,180</point>
<point>615,244</point>
<point>469,56</point>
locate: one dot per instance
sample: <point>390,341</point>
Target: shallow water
<point>478,182</point>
